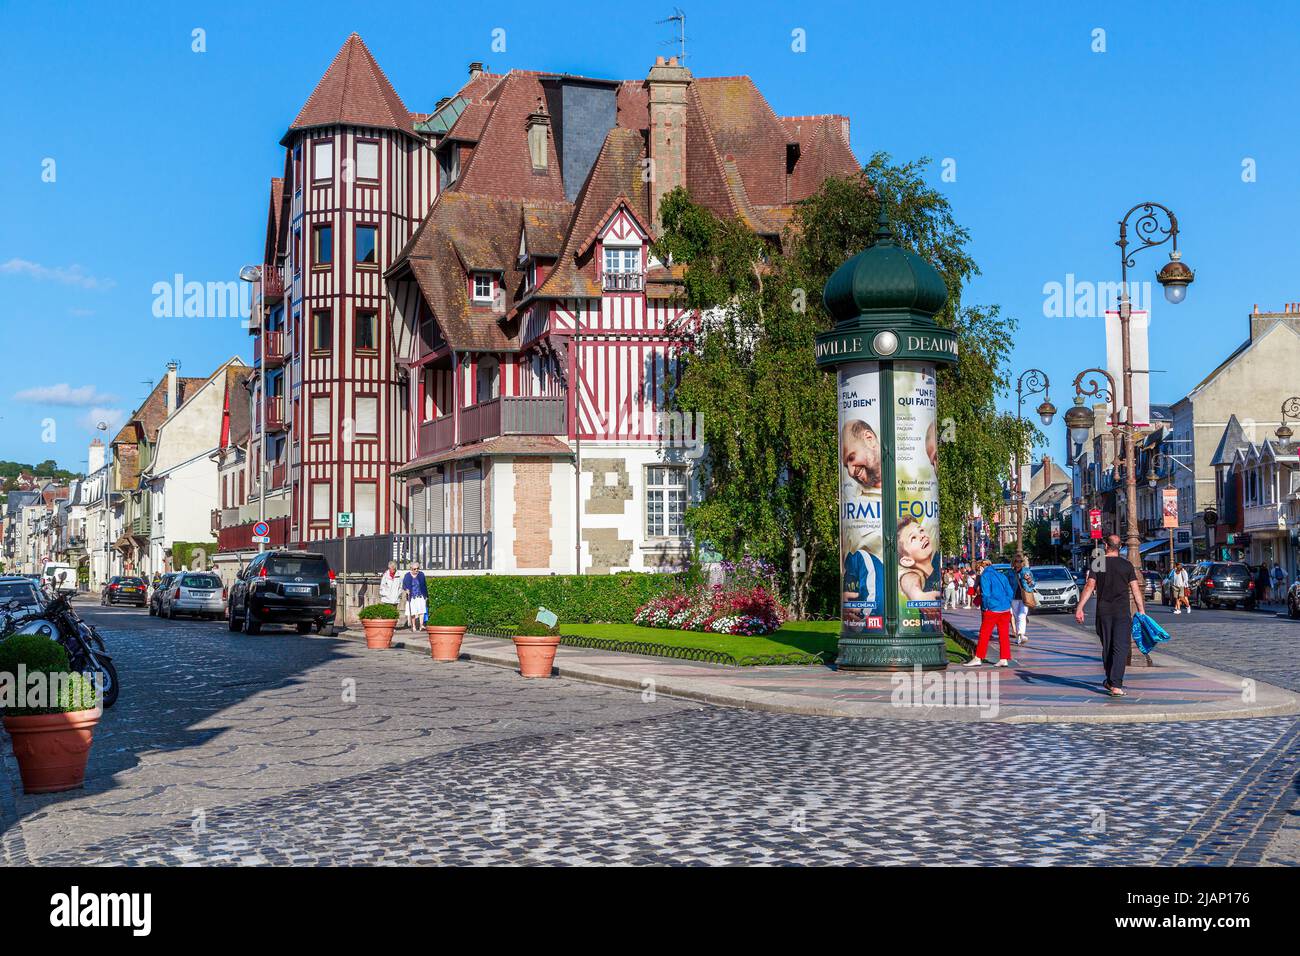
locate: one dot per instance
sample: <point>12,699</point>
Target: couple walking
<point>410,593</point>
<point>1005,599</point>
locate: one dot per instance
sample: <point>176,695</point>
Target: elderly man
<point>1114,584</point>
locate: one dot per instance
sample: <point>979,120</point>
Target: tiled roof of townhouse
<point>354,92</point>
<point>741,160</point>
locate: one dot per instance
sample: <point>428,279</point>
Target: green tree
<point>768,412</point>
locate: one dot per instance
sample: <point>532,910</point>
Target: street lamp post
<point>1031,382</point>
<point>253,274</point>
<point>1290,409</point>
<point>1149,229</point>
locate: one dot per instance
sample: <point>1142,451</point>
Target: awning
<point>1147,548</point>
<point>515,446</point>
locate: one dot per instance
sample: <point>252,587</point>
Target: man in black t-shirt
<point>1114,584</point>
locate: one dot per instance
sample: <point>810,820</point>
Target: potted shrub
<point>51,733</point>
<point>446,629</point>
<point>536,643</point>
<point>378,621</point>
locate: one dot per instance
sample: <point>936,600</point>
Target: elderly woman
<point>390,586</point>
<point>416,589</point>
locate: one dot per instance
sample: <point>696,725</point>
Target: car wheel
<point>231,622</point>
<point>251,625</point>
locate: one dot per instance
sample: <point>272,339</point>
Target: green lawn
<point>808,637</point>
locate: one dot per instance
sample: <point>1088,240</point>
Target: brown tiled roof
<point>746,131</point>
<point>617,174</point>
<point>823,152</point>
<point>463,233</point>
<point>237,398</point>
<point>522,446</point>
<point>501,165</point>
<point>544,226</point>
<point>354,92</point>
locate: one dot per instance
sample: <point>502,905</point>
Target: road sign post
<point>344,524</point>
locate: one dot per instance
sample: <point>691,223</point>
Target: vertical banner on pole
<point>1169,500</point>
<point>916,451</point>
<point>1140,361</point>
<point>862,552</point>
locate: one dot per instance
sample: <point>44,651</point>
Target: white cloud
<point>67,275</point>
<point>64,394</point>
<point>112,417</point>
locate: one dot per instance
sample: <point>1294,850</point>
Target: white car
<point>1056,587</point>
<point>59,578</point>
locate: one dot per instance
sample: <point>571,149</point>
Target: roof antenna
<point>679,18</point>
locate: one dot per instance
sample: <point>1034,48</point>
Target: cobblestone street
<point>226,748</point>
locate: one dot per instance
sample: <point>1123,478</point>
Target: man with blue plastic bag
<point>1114,583</point>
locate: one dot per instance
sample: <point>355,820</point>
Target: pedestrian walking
<point>1178,585</point>
<point>1114,586</point>
<point>416,589</point>
<point>972,585</point>
<point>995,597</point>
<point>1024,599</point>
<point>390,589</point>
<point>1279,584</point>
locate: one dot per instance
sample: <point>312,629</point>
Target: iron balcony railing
<point>507,415</point>
<point>370,553</point>
<point>624,281</point>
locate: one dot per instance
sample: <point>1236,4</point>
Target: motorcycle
<point>86,650</point>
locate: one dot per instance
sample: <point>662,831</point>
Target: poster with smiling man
<point>861,547</point>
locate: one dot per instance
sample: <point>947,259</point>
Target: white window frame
<point>320,503</point>
<point>623,260</point>
<point>321,425</point>
<point>491,286</point>
<point>367,428</point>
<point>322,159</point>
<point>672,498</point>
<point>368,160</point>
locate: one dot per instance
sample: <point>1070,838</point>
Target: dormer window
<point>484,286</point>
<point>623,269</point>
<point>448,166</point>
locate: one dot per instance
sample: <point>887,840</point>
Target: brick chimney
<point>668,83</point>
<point>475,70</point>
<point>537,124</point>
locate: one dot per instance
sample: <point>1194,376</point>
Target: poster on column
<point>916,451</point>
<point>862,606</point>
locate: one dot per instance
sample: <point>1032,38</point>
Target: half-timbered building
<point>466,336</point>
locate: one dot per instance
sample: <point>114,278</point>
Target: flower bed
<point>715,608</point>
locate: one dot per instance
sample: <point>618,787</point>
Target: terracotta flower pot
<point>444,642</point>
<point>379,632</point>
<point>536,655</point>
<point>52,748</point>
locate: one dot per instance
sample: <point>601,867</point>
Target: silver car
<point>194,592</point>
<point>1056,588</point>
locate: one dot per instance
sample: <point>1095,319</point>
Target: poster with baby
<point>862,606</point>
<point>917,480</point>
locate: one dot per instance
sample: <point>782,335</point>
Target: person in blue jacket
<point>996,595</point>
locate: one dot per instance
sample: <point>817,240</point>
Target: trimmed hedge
<point>494,600</point>
<point>379,612</point>
<point>447,615</point>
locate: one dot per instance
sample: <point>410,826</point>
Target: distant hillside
<point>45,469</point>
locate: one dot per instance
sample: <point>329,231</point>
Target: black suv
<point>1223,584</point>
<point>125,589</point>
<point>283,587</point>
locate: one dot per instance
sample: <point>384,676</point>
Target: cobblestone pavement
<point>1258,644</point>
<point>467,763</point>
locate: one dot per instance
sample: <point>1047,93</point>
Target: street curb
<point>1270,701</point>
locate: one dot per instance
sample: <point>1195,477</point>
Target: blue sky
<point>163,155</point>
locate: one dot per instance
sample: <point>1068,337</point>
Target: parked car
<point>1222,583</point>
<point>199,593</point>
<point>283,587</point>
<point>156,595</point>
<point>1056,587</point>
<point>24,592</point>
<point>60,578</point>
<point>1151,585</point>
<point>1080,578</point>
<point>124,589</point>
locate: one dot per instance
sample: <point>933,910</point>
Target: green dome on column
<point>884,280</point>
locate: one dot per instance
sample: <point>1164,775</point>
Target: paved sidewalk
<point>1056,678</point>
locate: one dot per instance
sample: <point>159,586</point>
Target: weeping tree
<point>768,413</point>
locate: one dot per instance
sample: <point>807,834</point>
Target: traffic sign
<point>261,530</point>
<point>345,519</point>
<point>261,539</point>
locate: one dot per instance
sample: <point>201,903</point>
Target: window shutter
<point>435,503</point>
<point>419,514</point>
<point>471,483</point>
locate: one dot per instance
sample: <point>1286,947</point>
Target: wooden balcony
<point>269,347</point>
<point>279,475</point>
<point>272,284</point>
<point>623,281</point>
<point>275,421</point>
<point>515,415</point>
